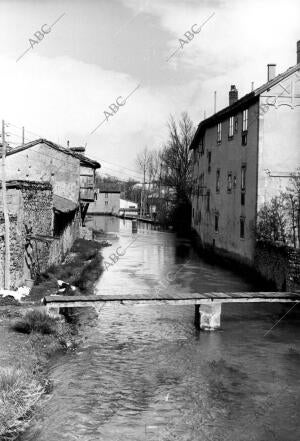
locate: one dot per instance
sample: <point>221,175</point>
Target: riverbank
<point>29,338</point>
<point>81,269</point>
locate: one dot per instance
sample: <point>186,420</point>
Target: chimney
<point>68,144</point>
<point>233,95</point>
<point>298,52</point>
<point>271,72</point>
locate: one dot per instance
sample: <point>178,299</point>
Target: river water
<point>145,373</point>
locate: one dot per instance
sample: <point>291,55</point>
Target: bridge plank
<point>172,298</point>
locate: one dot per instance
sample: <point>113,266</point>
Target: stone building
<point>47,201</point>
<point>242,157</point>
<point>30,208</point>
<point>107,199</point>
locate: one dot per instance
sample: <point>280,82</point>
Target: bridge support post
<point>53,312</point>
<point>210,316</point>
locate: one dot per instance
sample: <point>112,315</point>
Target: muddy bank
<point>81,268</point>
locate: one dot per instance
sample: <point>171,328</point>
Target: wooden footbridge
<point>207,305</point>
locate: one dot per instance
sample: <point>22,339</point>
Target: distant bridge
<point>207,305</point>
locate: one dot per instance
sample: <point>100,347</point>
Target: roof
<point>240,104</point>
<point>63,205</point>
<point>109,187</point>
<point>84,160</point>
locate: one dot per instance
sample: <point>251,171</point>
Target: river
<point>146,373</point>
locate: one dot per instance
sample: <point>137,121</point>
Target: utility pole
<point>23,136</point>
<point>143,190</point>
<point>6,216</point>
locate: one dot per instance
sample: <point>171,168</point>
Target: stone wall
<point>16,251</point>
<point>33,248</point>
<point>60,246</point>
<point>279,265</point>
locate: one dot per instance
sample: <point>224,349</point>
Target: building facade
<point>46,196</point>
<point>107,200</point>
<point>242,157</point>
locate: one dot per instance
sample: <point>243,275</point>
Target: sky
<point>105,74</point>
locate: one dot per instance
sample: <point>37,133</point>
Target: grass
<point>19,394</point>
<point>35,321</point>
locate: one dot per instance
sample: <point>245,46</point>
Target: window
<point>231,127</point>
<point>201,146</point>
<point>243,178</point>
<point>218,180</point>
<point>236,124</point>
<point>208,200</point>
<point>242,228</point>
<point>245,120</point>
<point>106,195</point>
<point>219,133</point>
<point>209,161</point>
<point>244,138</point>
<point>106,202</point>
<point>229,182</point>
<point>243,197</point>
<point>216,223</point>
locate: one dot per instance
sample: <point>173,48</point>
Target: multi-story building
<point>242,156</point>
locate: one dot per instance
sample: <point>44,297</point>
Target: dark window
<point>201,145</point>
<point>242,228</point>
<point>209,161</point>
<point>236,124</point>
<point>218,180</point>
<point>244,138</point>
<point>243,197</point>
<point>216,223</point>
<point>229,182</point>
<point>208,200</point>
<point>243,178</point>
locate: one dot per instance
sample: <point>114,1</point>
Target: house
<point>47,198</point>
<point>128,208</point>
<point>107,199</point>
<point>242,157</point>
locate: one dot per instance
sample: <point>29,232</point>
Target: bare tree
<point>176,156</point>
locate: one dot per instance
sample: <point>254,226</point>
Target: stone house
<point>46,204</point>
<point>243,155</point>
<point>107,199</point>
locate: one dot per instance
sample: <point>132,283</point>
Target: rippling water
<point>145,373</point>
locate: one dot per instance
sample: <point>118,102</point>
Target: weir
<point>208,306</point>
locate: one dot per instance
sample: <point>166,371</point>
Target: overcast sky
<point>100,50</point>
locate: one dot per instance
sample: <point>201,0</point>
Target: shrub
<point>19,393</point>
<point>35,321</point>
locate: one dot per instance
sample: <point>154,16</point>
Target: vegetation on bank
<point>19,393</point>
<point>22,385</point>
<point>82,268</point>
